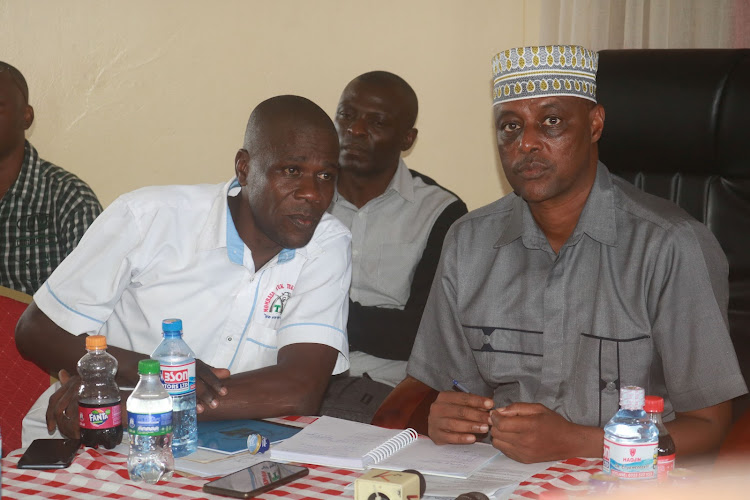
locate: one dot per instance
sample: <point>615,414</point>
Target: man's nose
<point>357,127</point>
<point>309,189</point>
<point>530,140</point>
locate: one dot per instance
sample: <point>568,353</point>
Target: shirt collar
<point>214,233</point>
<point>220,231</point>
<point>402,183</point>
<point>597,218</point>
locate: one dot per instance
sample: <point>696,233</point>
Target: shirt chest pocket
<point>604,365</point>
<point>506,355</point>
<point>396,265</point>
<point>259,348</point>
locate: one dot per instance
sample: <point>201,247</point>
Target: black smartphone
<point>256,479</point>
<point>49,454</point>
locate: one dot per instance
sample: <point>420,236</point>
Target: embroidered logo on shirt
<point>276,300</point>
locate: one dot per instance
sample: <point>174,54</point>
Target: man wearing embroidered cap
<point>549,299</point>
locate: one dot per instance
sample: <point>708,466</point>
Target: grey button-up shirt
<point>636,296</point>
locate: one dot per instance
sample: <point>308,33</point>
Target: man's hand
<point>531,432</point>
<point>456,417</point>
<point>208,385</point>
<point>62,410</point>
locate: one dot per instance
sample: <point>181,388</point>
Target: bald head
<point>15,76</point>
<point>384,79</point>
<point>287,172</point>
<point>275,117</point>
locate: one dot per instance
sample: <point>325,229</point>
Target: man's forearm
<point>41,341</point>
<point>700,431</point>
<point>294,386</point>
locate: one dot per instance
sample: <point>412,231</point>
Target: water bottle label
<point>178,379</point>
<point>99,417</point>
<point>630,461</point>
<point>150,424</point>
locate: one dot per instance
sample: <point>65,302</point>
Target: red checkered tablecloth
<point>103,474</point>
<point>570,475</point>
<point>98,474</point>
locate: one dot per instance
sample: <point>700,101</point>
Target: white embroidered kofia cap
<point>530,72</point>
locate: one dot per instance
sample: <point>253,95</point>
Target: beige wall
<point>140,92</point>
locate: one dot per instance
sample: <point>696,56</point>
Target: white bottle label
<point>178,379</point>
<point>630,461</point>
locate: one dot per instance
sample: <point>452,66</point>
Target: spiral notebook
<point>352,445</point>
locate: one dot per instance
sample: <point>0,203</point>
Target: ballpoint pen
<point>458,385</point>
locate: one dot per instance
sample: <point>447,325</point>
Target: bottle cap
<point>654,404</point>
<point>257,443</point>
<point>96,342</point>
<point>631,397</point>
<point>149,367</point>
<point>171,325</point>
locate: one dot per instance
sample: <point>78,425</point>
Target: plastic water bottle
<point>150,427</point>
<point>178,376</point>
<point>98,396</point>
<point>631,439</point>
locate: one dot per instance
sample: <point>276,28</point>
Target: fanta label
<point>178,379</point>
<point>104,417</point>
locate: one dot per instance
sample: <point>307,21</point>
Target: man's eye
<point>344,114</point>
<point>291,171</point>
<point>552,120</point>
<point>509,127</point>
<point>326,176</point>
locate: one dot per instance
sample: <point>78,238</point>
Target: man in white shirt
<point>256,269</point>
<point>398,219</point>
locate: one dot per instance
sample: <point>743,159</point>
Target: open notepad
<point>352,445</point>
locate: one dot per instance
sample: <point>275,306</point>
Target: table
<point>99,473</point>
<point>103,474</point>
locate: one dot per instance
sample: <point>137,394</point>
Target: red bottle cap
<point>654,404</point>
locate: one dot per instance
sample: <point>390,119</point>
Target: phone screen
<point>255,479</point>
<point>49,454</point>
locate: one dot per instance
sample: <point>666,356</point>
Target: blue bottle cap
<point>171,325</point>
<point>257,443</point>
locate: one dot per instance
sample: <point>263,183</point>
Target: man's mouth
<point>530,169</point>
<point>354,148</point>
<point>303,221</point>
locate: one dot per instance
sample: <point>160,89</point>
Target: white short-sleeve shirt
<point>173,252</point>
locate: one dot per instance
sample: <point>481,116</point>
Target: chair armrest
<point>408,405</point>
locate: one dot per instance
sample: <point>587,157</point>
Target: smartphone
<point>49,454</point>
<point>256,479</point>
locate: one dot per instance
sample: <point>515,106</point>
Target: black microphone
<point>472,495</point>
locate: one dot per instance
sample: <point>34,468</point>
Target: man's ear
<point>409,137</point>
<point>242,166</point>
<point>28,116</point>
<point>596,118</point>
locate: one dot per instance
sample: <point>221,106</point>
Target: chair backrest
<point>675,127</point>
<point>21,381</point>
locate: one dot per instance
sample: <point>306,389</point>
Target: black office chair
<point>676,126</point>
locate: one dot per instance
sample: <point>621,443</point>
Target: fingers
<point>522,409</point>
<point>456,417</point>
<point>62,409</point>
<point>209,385</point>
